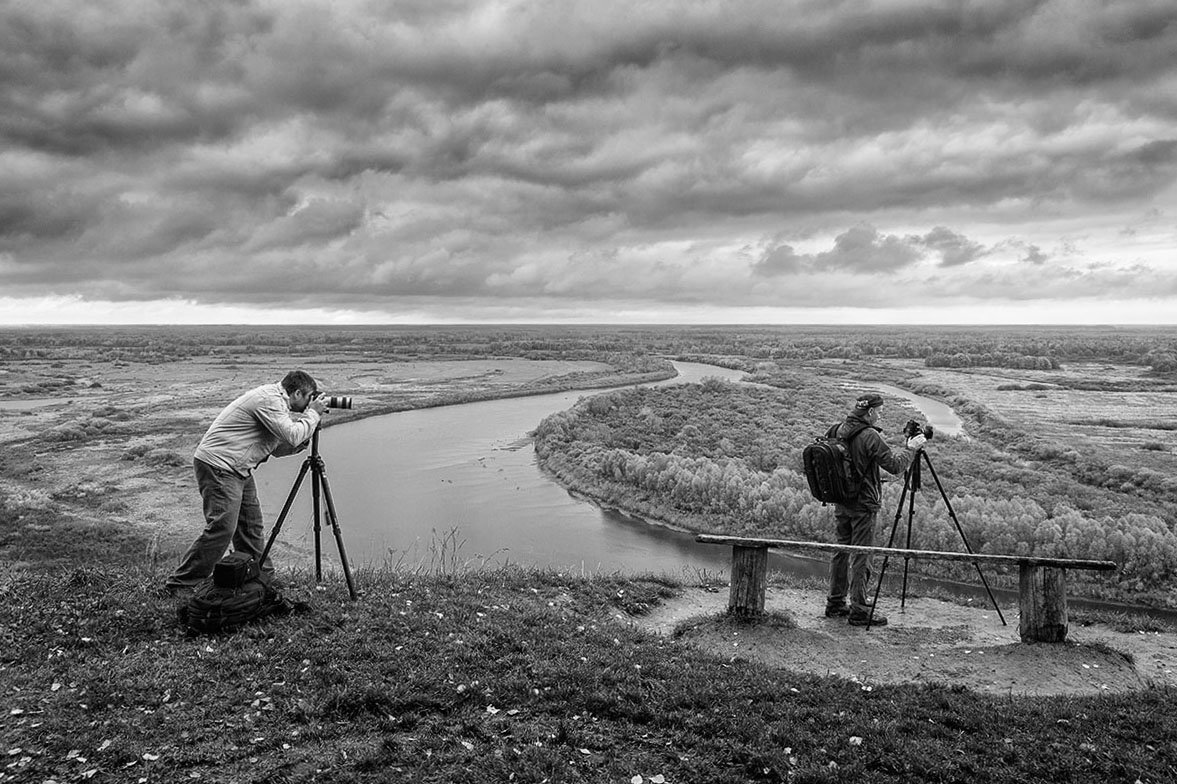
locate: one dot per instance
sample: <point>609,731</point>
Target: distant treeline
<point>1020,361</point>
<point>1155,347</point>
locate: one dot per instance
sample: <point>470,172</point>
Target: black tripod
<point>320,489</point>
<point>911,485</point>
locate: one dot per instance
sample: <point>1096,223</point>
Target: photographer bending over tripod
<point>273,419</point>
<point>856,520</point>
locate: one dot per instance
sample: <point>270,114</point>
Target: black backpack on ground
<point>236,594</point>
<point>828,468</point>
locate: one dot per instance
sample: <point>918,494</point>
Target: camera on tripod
<point>336,401</point>
<point>913,428</point>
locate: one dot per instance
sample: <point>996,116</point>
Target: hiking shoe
<point>862,620</point>
<point>837,611</point>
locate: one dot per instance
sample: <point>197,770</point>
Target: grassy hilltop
<point>500,676</point>
<point>436,674</point>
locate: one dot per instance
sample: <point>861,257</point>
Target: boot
<point>861,619</point>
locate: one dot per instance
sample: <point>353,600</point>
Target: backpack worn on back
<point>829,469</point>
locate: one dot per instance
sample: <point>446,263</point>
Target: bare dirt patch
<point>932,641</point>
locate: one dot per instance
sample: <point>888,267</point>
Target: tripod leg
<point>890,541</point>
<point>963,538</point>
<point>906,559</point>
<point>899,509</point>
<point>333,521</point>
<point>317,516</point>
<point>302,472</point>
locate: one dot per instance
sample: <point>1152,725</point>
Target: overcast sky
<point>908,161</point>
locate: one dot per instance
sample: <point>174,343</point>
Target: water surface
<point>403,482</point>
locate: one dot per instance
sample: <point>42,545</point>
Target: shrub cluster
<point>726,458</point>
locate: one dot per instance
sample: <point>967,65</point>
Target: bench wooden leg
<point>749,577</point>
<point>1043,600</point>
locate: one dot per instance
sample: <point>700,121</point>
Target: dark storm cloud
<point>1034,255</point>
<point>781,260</point>
<point>861,249</point>
<point>24,219</point>
<point>676,151</point>
<point>954,249</point>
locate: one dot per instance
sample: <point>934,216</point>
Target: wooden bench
<point>1042,585</point>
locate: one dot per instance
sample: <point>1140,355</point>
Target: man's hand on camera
<point>917,442</point>
<point>318,404</point>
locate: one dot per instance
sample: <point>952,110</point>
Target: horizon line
<point>402,325</point>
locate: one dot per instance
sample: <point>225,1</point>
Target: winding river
<point>460,483</point>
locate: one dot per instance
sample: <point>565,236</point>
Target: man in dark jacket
<point>850,574</point>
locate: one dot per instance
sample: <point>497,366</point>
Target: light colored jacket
<point>256,425</point>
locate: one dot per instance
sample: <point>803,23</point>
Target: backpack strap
<point>855,429</point>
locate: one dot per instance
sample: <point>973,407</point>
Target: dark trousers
<point>850,574</point>
<point>232,515</point>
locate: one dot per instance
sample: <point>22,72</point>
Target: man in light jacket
<point>273,419</point>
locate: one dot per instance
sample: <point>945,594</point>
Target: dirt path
<point>932,641</point>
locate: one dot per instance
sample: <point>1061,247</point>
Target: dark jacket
<point>869,453</point>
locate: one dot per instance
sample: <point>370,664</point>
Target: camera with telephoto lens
<point>336,401</point>
<point>913,429</point>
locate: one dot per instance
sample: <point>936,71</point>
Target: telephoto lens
<point>338,401</point>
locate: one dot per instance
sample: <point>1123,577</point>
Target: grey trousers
<point>850,574</point>
<point>232,515</point>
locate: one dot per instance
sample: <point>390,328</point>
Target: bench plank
<point>1019,560</point>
